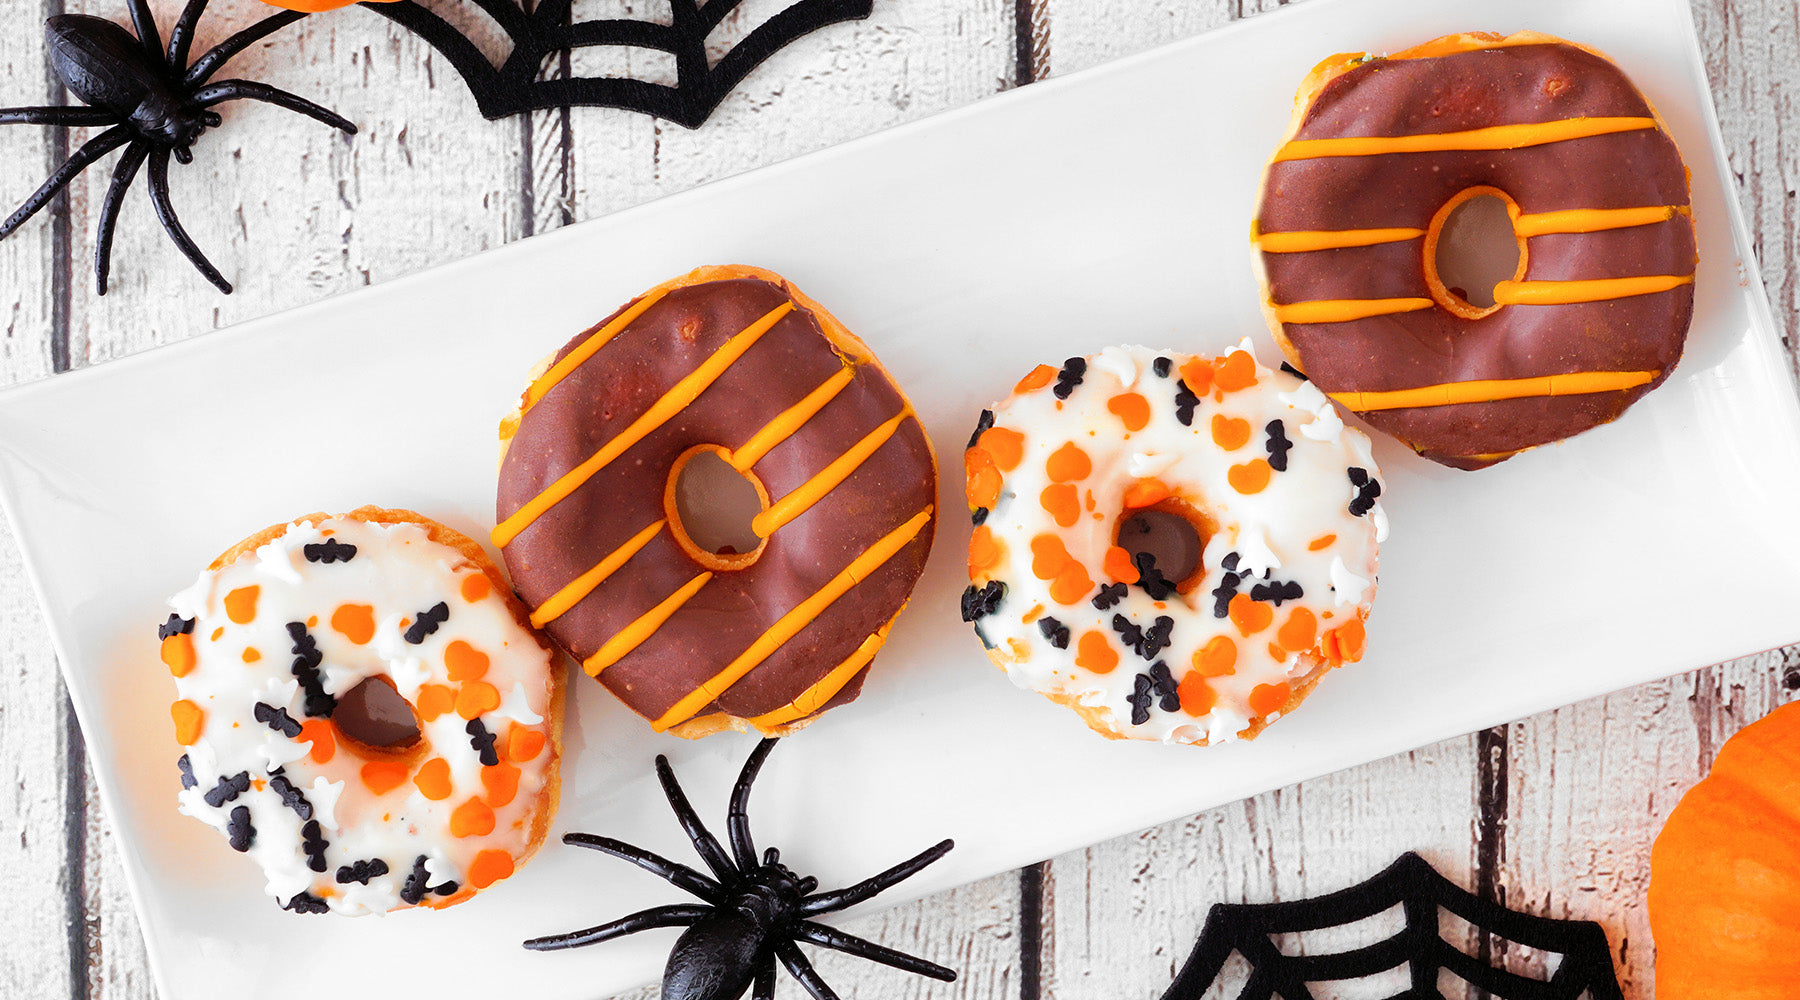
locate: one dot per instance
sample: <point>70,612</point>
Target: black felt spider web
<point>1414,885</point>
<point>514,88</point>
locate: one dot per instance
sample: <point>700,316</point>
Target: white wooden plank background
<point>1555,812</point>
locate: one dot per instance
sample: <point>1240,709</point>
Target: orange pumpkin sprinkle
<point>189,719</point>
<point>1217,658</point>
<point>1197,696</point>
<point>383,776</point>
<point>986,552</point>
<point>355,621</point>
<point>1198,374</point>
<point>1321,542</point>
<point>1068,464</point>
<point>1146,492</point>
<point>472,819</point>
<point>1132,409</point>
<point>434,700</point>
<point>1006,445</point>
<point>1072,584</point>
<point>523,744</point>
<point>1062,501</point>
<point>240,604</point>
<point>1093,652</point>
<point>178,654</point>
<point>1039,377</point>
<point>323,738</point>
<point>1276,653</point>
<point>1299,632</point>
<point>475,698</point>
<point>984,478</point>
<point>1230,433</point>
<point>489,866</point>
<point>476,586</point>
<point>1249,616</point>
<point>1048,556</point>
<point>433,779</point>
<point>1118,566</point>
<point>1345,643</point>
<point>1267,698</point>
<point>1236,372</point>
<point>464,662</point>
<point>1251,477</point>
<point>502,783</point>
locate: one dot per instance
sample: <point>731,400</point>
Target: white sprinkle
<point>439,871</point>
<point>1224,725</point>
<point>517,707</point>
<point>1325,425</point>
<point>191,603</point>
<point>1119,363</point>
<point>336,680</point>
<point>280,751</point>
<point>324,797</point>
<point>277,558</point>
<point>1147,463</point>
<point>1348,585</point>
<point>1254,555</point>
<point>279,692</point>
<point>287,881</point>
<point>409,675</point>
<point>1381,522</point>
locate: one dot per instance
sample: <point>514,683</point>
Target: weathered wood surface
<point>1555,812</point>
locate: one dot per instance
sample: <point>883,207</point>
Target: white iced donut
<point>1177,548</point>
<point>364,712</point>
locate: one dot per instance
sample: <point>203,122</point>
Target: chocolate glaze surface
<point>1458,92</point>
<point>612,389</point>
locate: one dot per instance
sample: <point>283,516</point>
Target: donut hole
<point>374,718</point>
<point>711,507</point>
<point>1470,249</point>
<point>1171,536</point>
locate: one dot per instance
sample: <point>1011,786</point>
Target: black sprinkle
<point>277,719</point>
<point>330,551</point>
<point>446,888</point>
<point>986,643</point>
<point>1109,595</point>
<point>1367,490</point>
<point>1230,563</point>
<point>187,772</point>
<point>1223,593</point>
<point>1291,370</point>
<point>427,623</point>
<point>291,797</point>
<point>228,789</point>
<point>241,832</point>
<point>1277,445</point>
<point>361,872</point>
<point>1154,686</point>
<point>414,888</point>
<point>1129,633</point>
<point>1156,637</point>
<point>306,902</point>
<point>979,602</point>
<point>1055,631</point>
<point>1165,686</point>
<point>1161,367</point>
<point>1276,591</point>
<point>1150,579</point>
<point>176,625</point>
<point>312,844</point>
<point>979,516</point>
<point>986,421</point>
<point>1070,377</point>
<point>1185,401</point>
<point>307,660</point>
<point>482,741</point>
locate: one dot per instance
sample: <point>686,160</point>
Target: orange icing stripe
<point>575,590</point>
<point>1560,293</point>
<point>789,420</point>
<point>1489,390</point>
<point>671,403</point>
<point>814,698</point>
<point>790,624</point>
<point>1593,220</point>
<point>631,636</point>
<point>1492,137</point>
<point>1332,239</point>
<point>1345,310</point>
<point>815,489</point>
<point>577,357</point>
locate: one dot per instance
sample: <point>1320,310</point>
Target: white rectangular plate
<point>1112,206</point>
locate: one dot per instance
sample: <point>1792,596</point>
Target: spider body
<point>755,912</point>
<point>152,102</point>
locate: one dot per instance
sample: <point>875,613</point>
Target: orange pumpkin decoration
<point>1725,873</point>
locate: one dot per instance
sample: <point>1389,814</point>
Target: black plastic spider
<point>754,913</point>
<point>155,104</point>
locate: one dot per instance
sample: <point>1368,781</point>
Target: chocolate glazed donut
<point>1381,150</point>
<point>734,361</point>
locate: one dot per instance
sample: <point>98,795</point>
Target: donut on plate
<point>1380,152</point>
<point>732,364</point>
<point>1177,548</point>
<point>365,712</point>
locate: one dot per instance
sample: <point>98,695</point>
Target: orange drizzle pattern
<point>577,357</point>
<point>1333,239</point>
<point>632,636</point>
<point>1559,293</point>
<point>813,490</point>
<point>1345,310</point>
<point>1492,137</point>
<point>815,697</point>
<point>583,585</point>
<point>1490,390</point>
<point>789,421</point>
<point>1593,220</point>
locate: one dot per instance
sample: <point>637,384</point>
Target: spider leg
<point>236,90</point>
<point>827,902</point>
<point>643,920</point>
<point>802,970</point>
<point>737,821</point>
<point>181,37</point>
<point>831,937</point>
<point>84,157</point>
<point>165,212</point>
<point>217,56</point>
<point>145,23</point>
<point>678,874</point>
<point>705,844</point>
<point>57,115</point>
<point>123,174</point>
<point>765,981</point>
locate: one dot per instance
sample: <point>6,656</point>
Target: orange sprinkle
<point>1118,566</point>
<point>188,719</point>
<point>1132,409</point>
<point>1237,372</point>
<point>1267,698</point>
<point>1345,643</point>
<point>502,783</point>
<point>434,700</point>
<point>1072,584</point>
<point>984,478</point>
<point>1197,696</point>
<point>1007,446</point>
<point>1094,652</point>
<point>1249,616</point>
<point>1299,632</point>
<point>355,621</point>
<point>1321,542</point>
<point>523,744</point>
<point>1251,477</point>
<point>1039,377</point>
<point>216,633</point>
<point>472,819</point>
<point>433,779</point>
<point>251,655</point>
<point>475,698</point>
<point>464,662</point>
<point>1276,653</point>
<point>1145,492</point>
<point>240,604</point>
<point>1229,433</point>
<point>489,866</point>
<point>1036,612</point>
<point>1062,501</point>
<point>323,738</point>
<point>1198,374</point>
<point>383,776</point>
<point>178,653</point>
<point>1068,464</point>
<point>476,586</point>
<point>1048,556</point>
<point>1217,658</point>
<point>986,552</point>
